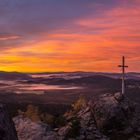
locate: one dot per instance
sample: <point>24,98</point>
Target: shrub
<point>76,107</point>
<point>75,128</point>
<point>32,113</point>
<point>47,118</point>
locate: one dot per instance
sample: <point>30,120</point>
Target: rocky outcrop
<point>109,117</point>
<point>112,112</point>
<point>113,115</point>
<point>7,129</point>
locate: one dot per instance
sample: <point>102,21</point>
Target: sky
<point>69,35</point>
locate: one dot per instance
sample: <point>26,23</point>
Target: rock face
<point>89,129</point>
<point>7,129</point>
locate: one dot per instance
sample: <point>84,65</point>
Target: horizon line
<point>70,71</point>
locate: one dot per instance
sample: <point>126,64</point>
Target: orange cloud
<point>4,37</point>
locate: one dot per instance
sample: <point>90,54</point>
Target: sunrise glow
<point>69,35</point>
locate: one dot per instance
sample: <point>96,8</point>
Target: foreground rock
<point>7,129</point>
<point>109,117</point>
<point>28,130</point>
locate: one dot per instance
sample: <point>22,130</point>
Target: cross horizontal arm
<point>122,66</point>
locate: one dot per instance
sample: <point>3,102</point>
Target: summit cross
<point>123,66</point>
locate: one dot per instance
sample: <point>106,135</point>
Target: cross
<point>123,66</point>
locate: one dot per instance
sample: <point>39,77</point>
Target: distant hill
<point>13,76</point>
<point>73,75</point>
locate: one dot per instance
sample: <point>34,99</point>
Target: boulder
<point>29,130</point>
<point>113,112</point>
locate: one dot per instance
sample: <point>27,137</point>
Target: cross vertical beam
<point>123,66</point>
